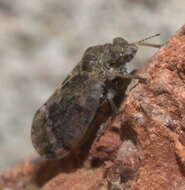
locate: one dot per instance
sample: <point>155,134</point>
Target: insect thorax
<point>108,58</point>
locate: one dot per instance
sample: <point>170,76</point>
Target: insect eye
<point>120,41</point>
<point>117,52</point>
<point>117,49</point>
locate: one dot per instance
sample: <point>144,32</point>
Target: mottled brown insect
<point>69,115</point>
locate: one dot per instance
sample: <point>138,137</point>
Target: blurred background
<point>41,41</point>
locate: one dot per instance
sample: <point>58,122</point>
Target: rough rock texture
<point>142,147</point>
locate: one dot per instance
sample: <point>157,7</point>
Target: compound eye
<point>117,52</point>
<point>120,41</point>
<point>117,49</point>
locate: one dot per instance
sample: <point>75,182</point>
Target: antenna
<point>142,43</point>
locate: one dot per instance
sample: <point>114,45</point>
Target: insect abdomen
<point>62,122</point>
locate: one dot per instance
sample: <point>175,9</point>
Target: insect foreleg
<point>129,76</point>
<point>110,95</point>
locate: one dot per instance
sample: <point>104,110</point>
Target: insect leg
<point>130,76</point>
<point>110,96</point>
<point>123,74</point>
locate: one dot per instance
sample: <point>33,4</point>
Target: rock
<point>142,147</point>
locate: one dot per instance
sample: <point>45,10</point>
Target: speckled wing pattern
<point>75,103</point>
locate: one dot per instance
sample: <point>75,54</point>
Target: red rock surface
<point>143,147</point>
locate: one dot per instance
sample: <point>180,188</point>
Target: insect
<point>81,102</point>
